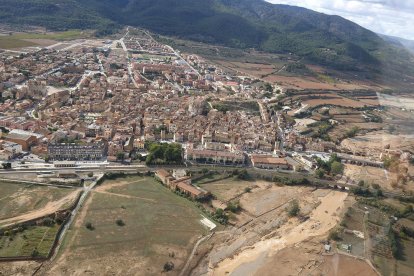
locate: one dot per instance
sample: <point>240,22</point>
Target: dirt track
<point>50,208</point>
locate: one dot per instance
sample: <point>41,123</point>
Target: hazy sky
<point>390,17</point>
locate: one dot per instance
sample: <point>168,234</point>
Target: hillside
<point>400,42</point>
<point>321,39</point>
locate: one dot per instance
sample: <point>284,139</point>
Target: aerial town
<point>103,100</point>
<point>249,154</point>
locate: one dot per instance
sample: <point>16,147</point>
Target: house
<point>172,184</point>
<point>25,140</point>
<point>179,173</point>
<point>182,184</point>
<point>163,176</point>
<point>72,151</point>
<point>297,167</point>
<point>223,157</point>
<point>139,144</point>
<point>190,190</point>
<point>269,162</point>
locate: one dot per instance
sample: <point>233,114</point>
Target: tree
<point>334,157</point>
<point>120,222</point>
<point>334,235</point>
<point>120,156</point>
<point>378,193</point>
<point>35,253</point>
<point>234,207</point>
<point>48,222</point>
<point>168,266</point>
<point>319,173</point>
<point>392,129</point>
<point>294,208</point>
<point>89,226</point>
<point>220,216</point>
<point>352,132</point>
<point>268,87</point>
<point>337,168</point>
<point>90,174</point>
<point>7,165</point>
<point>243,175</point>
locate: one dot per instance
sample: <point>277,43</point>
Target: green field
<point>12,43</point>
<point>24,243</point>
<point>17,199</point>
<point>157,223</point>
<point>19,40</point>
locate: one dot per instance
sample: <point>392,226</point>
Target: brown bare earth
<point>372,144</point>
<point>18,268</point>
<point>50,208</point>
<point>274,73</point>
<point>321,220</point>
<point>317,99</point>
<point>313,83</point>
<point>269,197</point>
<point>308,258</point>
<point>42,42</point>
<point>371,175</point>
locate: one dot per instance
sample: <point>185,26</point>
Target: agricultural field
<point>258,70</point>
<point>21,40</point>
<point>327,98</point>
<point>136,219</point>
<point>353,231</point>
<point>19,202</point>
<point>34,241</point>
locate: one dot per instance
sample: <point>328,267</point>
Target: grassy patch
<point>68,35</point>
<point>154,217</point>
<point>326,78</point>
<point>12,43</point>
<point>24,243</point>
<point>17,199</point>
<point>18,40</point>
<point>227,189</point>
